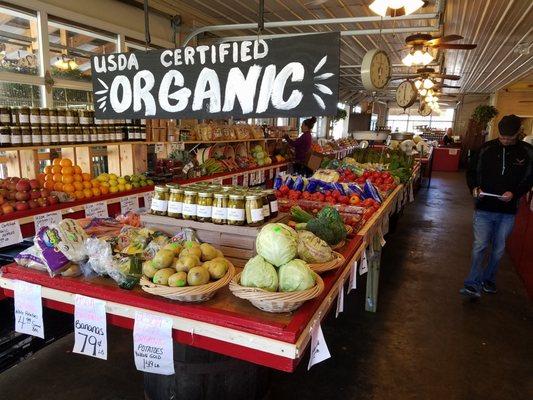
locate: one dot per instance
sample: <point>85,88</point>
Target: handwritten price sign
<point>130,203</point>
<point>96,210</point>
<point>10,233</point>
<point>152,344</point>
<point>28,309</point>
<point>90,327</point>
<point>47,219</point>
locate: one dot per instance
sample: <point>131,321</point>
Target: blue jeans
<point>489,227</point>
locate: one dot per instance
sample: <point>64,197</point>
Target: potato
<point>148,269</point>
<point>208,252</point>
<point>161,276</point>
<point>179,279</point>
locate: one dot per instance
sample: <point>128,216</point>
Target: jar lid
<point>236,196</point>
<point>176,190</point>
<point>221,195</point>
<point>205,194</point>
<point>161,189</point>
<point>189,192</point>
<point>253,196</point>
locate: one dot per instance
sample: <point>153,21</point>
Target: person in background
<point>447,138</point>
<point>502,167</point>
<point>302,146</point>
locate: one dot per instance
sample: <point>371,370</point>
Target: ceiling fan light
<point>426,58</point>
<point>423,92</point>
<point>428,83</point>
<point>410,6</point>
<point>408,60</point>
<point>418,83</point>
<point>418,57</point>
<point>380,7</point>
<point>396,4</point>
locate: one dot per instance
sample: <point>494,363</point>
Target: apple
<point>11,195</point>
<point>5,182</point>
<point>1,199</point>
<point>35,194</point>
<point>52,200</point>
<point>3,192</point>
<point>12,186</point>
<point>42,202</point>
<point>23,185</point>
<point>45,193</point>
<point>33,204</point>
<point>14,179</point>
<point>21,206</point>
<point>34,184</point>
<point>22,196</point>
<point>7,208</point>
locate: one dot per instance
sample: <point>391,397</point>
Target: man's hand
<point>476,193</point>
<point>507,196</point>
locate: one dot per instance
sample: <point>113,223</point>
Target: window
<point>19,94</point>
<point>72,98</point>
<point>410,121</point>
<point>18,42</point>
<point>71,49</point>
<point>282,122</point>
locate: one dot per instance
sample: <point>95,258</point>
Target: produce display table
<point>446,159</point>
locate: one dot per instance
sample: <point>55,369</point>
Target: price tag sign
<point>352,283</point>
<point>90,327</point>
<point>148,199</point>
<point>159,147</point>
<point>270,173</point>
<point>277,171</point>
<point>152,344</point>
<point>385,225</point>
<point>96,210</point>
<point>129,203</point>
<point>10,233</point>
<point>382,240</point>
<point>363,268</point>
<point>180,146</point>
<point>234,180</point>
<point>411,192</point>
<point>319,348</point>
<point>340,300</point>
<point>47,219</point>
<point>245,180</point>
<point>28,309</point>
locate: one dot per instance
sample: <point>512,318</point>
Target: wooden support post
<point>127,161</point>
<point>69,152</point>
<point>372,279</point>
<point>84,159</point>
<point>140,158</point>
<point>29,163</point>
<point>13,164</point>
<point>113,160</point>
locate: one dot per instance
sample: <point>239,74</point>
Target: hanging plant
<point>483,114</point>
<point>341,114</point>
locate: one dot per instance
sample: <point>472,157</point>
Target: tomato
<point>367,174</point>
<point>284,189</point>
<point>376,175</point>
<point>320,197</point>
<point>386,175</point>
<point>343,199</point>
<point>368,202</point>
<point>378,181</point>
<point>354,200</point>
<point>306,195</point>
<point>336,194</point>
<point>330,199</point>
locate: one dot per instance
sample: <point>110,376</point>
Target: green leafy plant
<point>341,114</point>
<point>483,114</point>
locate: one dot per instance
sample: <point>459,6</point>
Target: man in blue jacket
<point>498,176</point>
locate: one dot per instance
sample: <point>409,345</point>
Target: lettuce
<point>277,243</point>
<point>295,276</point>
<point>260,274</point>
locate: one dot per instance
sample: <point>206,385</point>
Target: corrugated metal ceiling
<point>496,26</point>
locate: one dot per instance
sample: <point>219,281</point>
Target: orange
<point>95,183</point>
<point>41,176</point>
<point>67,179</point>
<point>48,177</point>
<point>96,192</point>
<point>57,177</point>
<point>79,194</point>
<point>86,177</point>
<point>58,186</point>
<point>88,192</point>
<point>56,161</point>
<point>78,185</point>
<point>78,178</point>
<point>69,188</point>
<point>49,185</point>
<point>67,170</point>
<point>86,185</point>
<point>48,169</point>
<point>65,162</point>
<point>77,169</point>
<point>56,169</point>
<point>104,190</point>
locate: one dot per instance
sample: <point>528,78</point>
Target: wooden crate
<point>236,242</point>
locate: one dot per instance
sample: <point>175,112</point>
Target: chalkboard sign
<point>294,76</point>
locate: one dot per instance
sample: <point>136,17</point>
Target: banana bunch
<point>213,166</point>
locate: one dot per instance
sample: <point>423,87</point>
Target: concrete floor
<point>425,342</point>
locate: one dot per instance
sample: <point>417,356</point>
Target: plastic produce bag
<point>30,258</point>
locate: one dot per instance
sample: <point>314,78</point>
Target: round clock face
<point>406,94</point>
<point>424,109</point>
<point>375,70</point>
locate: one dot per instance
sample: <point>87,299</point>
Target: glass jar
<point>45,116</point>
<point>16,135</point>
<point>62,116</point>
<point>71,134</point>
<point>72,117</point>
<point>79,134</point>
<point>26,135</point>
<point>219,213</point>
<point>266,206</point>
<point>36,136</point>
<point>86,134</point>
<point>175,202</point>
<point>109,133</point>
<point>93,134</point>
<point>5,116</point>
<point>189,204</point>
<point>63,135</point>
<point>53,116</point>
<point>5,136</point>
<point>118,133</point>
<point>35,116</point>
<point>85,117</point>
<point>236,213</point>
<point>100,133</point>
<point>46,136</point>
<point>160,201</point>
<point>204,207</point>
<point>273,202</point>
<point>54,134</point>
<point>22,115</point>
<point>254,210</point>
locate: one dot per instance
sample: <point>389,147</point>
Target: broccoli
<point>328,226</point>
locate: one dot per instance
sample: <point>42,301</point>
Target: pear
<point>193,250</point>
<point>161,276</point>
<point>208,252</point>
<point>198,276</point>
<point>217,269</point>
<point>179,279</point>
<point>148,269</point>
<point>163,259</point>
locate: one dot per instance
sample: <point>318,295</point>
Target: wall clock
<point>406,94</point>
<point>424,109</point>
<point>375,70</point>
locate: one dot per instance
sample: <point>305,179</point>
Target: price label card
<point>340,300</point>
<point>382,240</point>
<point>159,147</point>
<point>96,210</point>
<point>363,268</point>
<point>234,180</point>
<point>148,199</point>
<point>152,344</point>
<point>270,173</point>
<point>90,327</point>
<point>28,309</point>
<point>411,192</point>
<point>129,203</point>
<point>180,146</point>
<point>245,180</point>
<point>352,283</point>
<point>10,233</point>
<point>319,348</point>
<point>277,171</point>
<point>54,217</point>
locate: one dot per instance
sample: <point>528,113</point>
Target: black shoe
<point>489,287</point>
<point>470,291</point>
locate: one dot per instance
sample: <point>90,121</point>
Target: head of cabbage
<point>295,276</point>
<point>277,243</point>
<point>312,249</point>
<point>260,274</point>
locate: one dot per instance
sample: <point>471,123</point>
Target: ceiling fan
<point>442,42</point>
<point>424,73</point>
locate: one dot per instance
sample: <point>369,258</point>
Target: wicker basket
<point>275,302</point>
<point>338,245</point>
<point>337,261</point>
<point>190,294</point>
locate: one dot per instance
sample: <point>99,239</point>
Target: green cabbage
<point>277,243</point>
<point>312,249</point>
<point>295,276</point>
<point>259,273</point>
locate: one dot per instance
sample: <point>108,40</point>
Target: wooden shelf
<point>216,141</point>
<point>58,146</point>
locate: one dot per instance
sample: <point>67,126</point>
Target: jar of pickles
<point>189,204</point>
<point>204,206</point>
<point>254,210</point>
<point>236,207</point>
<point>219,213</point>
<point>160,201</point>
<point>175,202</point>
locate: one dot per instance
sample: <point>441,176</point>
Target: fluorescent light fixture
<point>399,7</point>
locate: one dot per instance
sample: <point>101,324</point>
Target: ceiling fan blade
<point>456,46</point>
<point>442,85</point>
<point>444,76</point>
<point>443,39</point>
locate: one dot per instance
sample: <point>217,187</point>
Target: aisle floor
<point>425,341</point>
